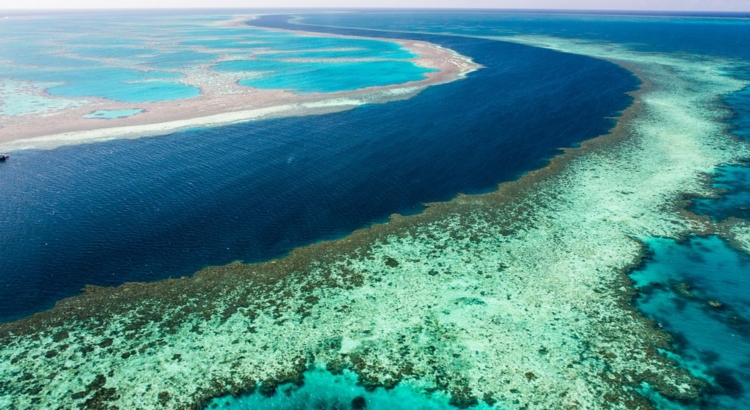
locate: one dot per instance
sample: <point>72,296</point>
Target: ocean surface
<point>698,291</point>
<point>147,209</point>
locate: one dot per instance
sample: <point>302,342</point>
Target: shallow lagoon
<point>699,291</point>
<point>733,183</point>
<point>117,84</point>
<point>117,64</point>
<point>179,59</point>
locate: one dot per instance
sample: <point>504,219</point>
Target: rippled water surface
<point>140,58</point>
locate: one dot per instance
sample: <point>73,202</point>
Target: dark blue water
<point>322,390</point>
<point>40,51</point>
<point>143,210</point>
<point>733,181</point>
<point>702,286</point>
<point>315,77</point>
<point>699,290</point>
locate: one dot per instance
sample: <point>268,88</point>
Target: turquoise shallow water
<point>733,181</point>
<point>700,292</point>
<point>304,77</point>
<point>355,48</point>
<point>241,44</point>
<point>137,92</point>
<point>322,390</point>
<point>124,59</point>
<point>312,77</point>
<point>302,46</point>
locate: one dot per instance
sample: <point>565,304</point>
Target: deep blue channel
<point>152,208</point>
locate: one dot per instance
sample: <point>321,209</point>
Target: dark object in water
<point>359,403</point>
<point>3,157</point>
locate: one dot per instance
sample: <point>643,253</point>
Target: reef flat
<point>181,84</point>
<point>518,298</point>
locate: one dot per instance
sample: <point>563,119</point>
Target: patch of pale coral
<point>739,234</point>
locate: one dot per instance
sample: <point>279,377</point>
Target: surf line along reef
<point>517,299</point>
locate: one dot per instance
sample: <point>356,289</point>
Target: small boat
<point>3,157</point>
